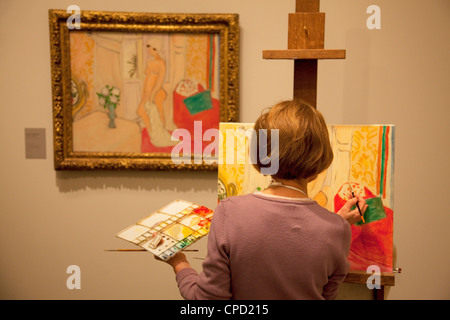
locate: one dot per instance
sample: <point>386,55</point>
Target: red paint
<point>372,243</point>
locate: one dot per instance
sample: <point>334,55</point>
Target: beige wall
<point>398,75</point>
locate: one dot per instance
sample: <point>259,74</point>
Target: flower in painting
<point>109,96</point>
<point>104,91</point>
<point>115,91</point>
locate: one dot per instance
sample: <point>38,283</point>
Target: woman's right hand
<point>353,216</point>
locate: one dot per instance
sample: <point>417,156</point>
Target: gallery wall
<point>397,75</point>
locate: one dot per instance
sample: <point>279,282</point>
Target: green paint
<point>383,157</point>
<point>374,212</point>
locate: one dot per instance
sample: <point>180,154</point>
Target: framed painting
<point>129,88</point>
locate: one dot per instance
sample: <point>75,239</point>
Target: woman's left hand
<point>178,262</point>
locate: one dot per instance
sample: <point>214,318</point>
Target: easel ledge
<point>360,277</point>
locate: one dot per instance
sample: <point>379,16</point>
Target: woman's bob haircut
<point>304,145</point>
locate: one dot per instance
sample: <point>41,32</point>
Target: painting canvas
<point>132,90</point>
<point>170,229</point>
<point>363,161</point>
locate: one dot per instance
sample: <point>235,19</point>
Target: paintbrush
<point>142,250</point>
<point>357,205</point>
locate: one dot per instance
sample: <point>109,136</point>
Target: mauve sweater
<point>262,247</point>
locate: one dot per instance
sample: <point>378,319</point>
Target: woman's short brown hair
<point>304,148</point>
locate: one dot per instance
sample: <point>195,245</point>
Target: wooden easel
<point>306,34</point>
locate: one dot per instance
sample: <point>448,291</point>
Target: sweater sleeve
<point>330,290</point>
<point>214,282</point>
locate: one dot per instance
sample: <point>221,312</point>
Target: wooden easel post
<point>306,31</point>
<point>306,36</point>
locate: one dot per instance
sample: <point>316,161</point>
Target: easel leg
<point>378,294</point>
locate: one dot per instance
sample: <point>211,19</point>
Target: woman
<point>278,243</point>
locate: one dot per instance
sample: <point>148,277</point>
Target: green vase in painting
<point>111,115</point>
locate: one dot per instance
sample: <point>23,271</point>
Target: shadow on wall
<point>181,181</point>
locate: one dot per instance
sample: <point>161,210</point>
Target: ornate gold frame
<point>226,25</point>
